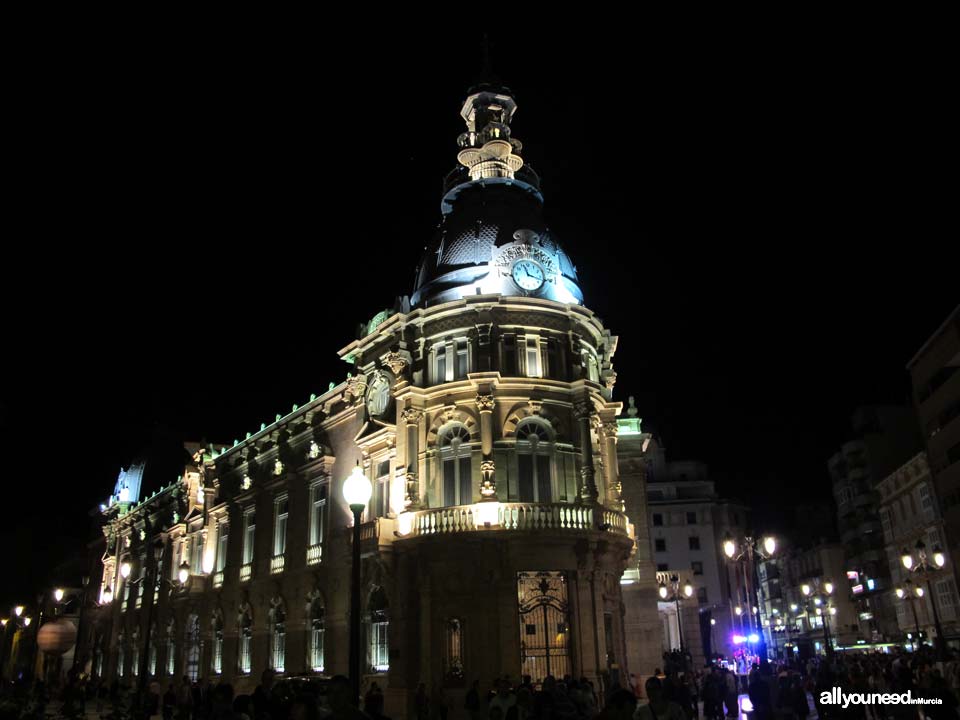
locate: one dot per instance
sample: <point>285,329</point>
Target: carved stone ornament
<point>485,403</point>
<point>609,428</point>
<point>246,483</point>
<point>487,471</point>
<point>356,387</point>
<point>610,379</point>
<point>535,406</point>
<point>397,363</point>
<point>314,452</point>
<point>278,468</point>
<point>412,415</point>
<point>583,409</point>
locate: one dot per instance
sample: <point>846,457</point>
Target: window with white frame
<point>590,365</point>
<point>450,359</point>
<point>946,593</point>
<point>223,538</point>
<point>532,356</point>
<point>244,642</point>
<point>318,519</point>
<point>379,647</point>
<point>534,455</point>
<point>456,465</point>
<point>249,534</point>
<point>196,553</point>
<point>380,500</point>
<point>281,511</point>
<point>318,511</point>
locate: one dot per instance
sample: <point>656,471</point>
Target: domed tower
<point>490,434</point>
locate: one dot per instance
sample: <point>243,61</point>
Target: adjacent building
<point>686,522</point>
<point>883,438</point>
<point>909,513</point>
<point>935,376</point>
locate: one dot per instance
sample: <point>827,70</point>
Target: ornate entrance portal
<point>544,627</point>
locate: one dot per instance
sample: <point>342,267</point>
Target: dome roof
<point>490,226</point>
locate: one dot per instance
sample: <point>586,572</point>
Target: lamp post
<point>751,550</point>
<point>356,491</point>
<point>909,590</point>
<point>927,566</point>
<point>820,593</point>
<point>664,595</point>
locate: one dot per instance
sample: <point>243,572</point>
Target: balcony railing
<point>314,554</point>
<point>245,571</point>
<point>218,579</point>
<point>514,516</point>
<point>276,564</point>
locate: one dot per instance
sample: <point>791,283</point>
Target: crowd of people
<point>676,691</point>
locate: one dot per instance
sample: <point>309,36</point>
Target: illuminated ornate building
<point>481,410</point>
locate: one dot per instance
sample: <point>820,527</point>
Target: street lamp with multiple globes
<point>686,592</point>
<point>909,591</point>
<point>820,593</point>
<point>926,566</point>
<point>751,550</point>
<point>357,490</point>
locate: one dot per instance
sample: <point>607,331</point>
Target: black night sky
<point>195,235</point>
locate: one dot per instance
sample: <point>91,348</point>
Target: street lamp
<point>819,600</point>
<point>58,594</point>
<point>183,574</point>
<point>125,568</point>
<point>356,491</point>
<point>687,591</point>
<point>753,550</point>
<point>927,566</point>
<point>18,610</point>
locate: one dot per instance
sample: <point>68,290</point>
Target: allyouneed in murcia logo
<point>837,697</point>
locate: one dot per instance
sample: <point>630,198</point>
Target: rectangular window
<point>318,509</point>
<point>525,472</point>
<point>660,545</point>
<point>171,657</point>
<point>544,491</point>
<point>553,361</point>
<point>440,355</point>
<point>152,661</point>
<point>466,489</point>
<point>697,567</point>
<point>243,663</point>
<point>196,554</point>
<point>691,518</point>
<point>379,647</point>
<point>249,535</point>
<point>694,542</point>
<point>217,663</point>
<point>662,567</point>
<point>120,661</point>
<point>702,595</point>
<point>657,519</point>
<point>281,511</point>
<point>462,360</point>
<point>533,357</point>
<point>509,355</point>
<point>381,490</point>
<point>223,537</point>
<point>945,594</point>
<point>316,645</point>
<point>279,648</point>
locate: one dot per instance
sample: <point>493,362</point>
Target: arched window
<point>455,462</point>
<point>316,628</point>
<point>534,453</point>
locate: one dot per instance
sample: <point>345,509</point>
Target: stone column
<point>584,411</point>
<point>488,487</point>
<point>411,417</point>
<point>613,497</point>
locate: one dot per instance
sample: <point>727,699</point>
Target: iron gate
<point>544,625</point>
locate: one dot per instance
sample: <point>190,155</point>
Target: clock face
<point>378,396</point>
<point>527,274</point>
